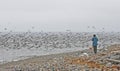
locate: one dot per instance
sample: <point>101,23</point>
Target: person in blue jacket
<point>95,43</point>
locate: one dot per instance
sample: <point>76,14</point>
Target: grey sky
<point>60,15</point>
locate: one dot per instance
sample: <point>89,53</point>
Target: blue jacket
<point>95,40</point>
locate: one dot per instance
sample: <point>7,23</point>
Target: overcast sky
<point>60,15</point>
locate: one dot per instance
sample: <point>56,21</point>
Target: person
<point>95,43</point>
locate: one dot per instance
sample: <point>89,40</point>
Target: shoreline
<point>55,60</point>
<point>40,59</point>
<point>15,55</point>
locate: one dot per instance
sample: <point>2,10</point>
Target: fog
<point>60,15</point>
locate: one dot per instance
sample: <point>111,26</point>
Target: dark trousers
<point>95,49</point>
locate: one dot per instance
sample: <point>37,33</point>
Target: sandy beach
<point>68,61</point>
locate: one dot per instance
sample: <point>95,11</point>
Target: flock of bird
<point>55,40</point>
